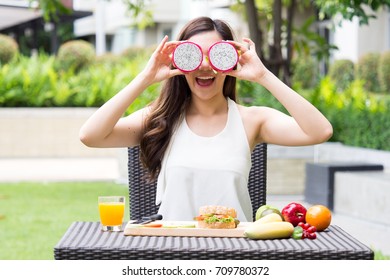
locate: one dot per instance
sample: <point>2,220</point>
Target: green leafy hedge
<point>8,49</point>
<point>384,71</point>
<point>76,54</point>
<point>371,68</point>
<point>305,72</point>
<point>358,119</point>
<point>342,72</point>
<point>35,82</point>
<point>367,70</point>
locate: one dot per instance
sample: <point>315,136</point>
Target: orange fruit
<point>319,216</point>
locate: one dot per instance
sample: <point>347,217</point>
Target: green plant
<point>108,59</point>
<point>35,82</point>
<point>367,70</point>
<point>132,53</point>
<point>384,71</point>
<point>342,73</point>
<point>358,119</point>
<point>378,255</point>
<point>8,49</point>
<point>28,82</point>
<point>254,94</point>
<point>75,54</point>
<point>304,72</point>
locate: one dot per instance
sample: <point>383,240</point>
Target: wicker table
<point>85,240</point>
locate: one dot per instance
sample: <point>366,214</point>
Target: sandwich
<point>217,217</point>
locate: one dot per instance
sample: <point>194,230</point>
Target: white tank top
<point>199,171</point>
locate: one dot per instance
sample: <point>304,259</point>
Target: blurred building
<point>354,40</point>
<point>108,24</point>
<point>169,16</point>
<point>112,18</point>
<point>22,20</point>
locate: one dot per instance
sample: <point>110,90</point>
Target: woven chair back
<point>142,194</point>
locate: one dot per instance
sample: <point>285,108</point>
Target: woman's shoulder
<point>253,117</point>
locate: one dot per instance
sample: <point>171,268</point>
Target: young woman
<point>195,138</point>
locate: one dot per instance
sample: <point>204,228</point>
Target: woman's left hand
<point>250,67</point>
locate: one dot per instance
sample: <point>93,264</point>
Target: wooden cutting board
<point>169,229</point>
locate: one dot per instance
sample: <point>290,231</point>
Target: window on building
<point>388,28</point>
<point>167,31</point>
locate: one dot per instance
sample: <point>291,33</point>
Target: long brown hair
<point>174,98</point>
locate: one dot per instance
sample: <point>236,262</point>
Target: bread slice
<point>217,209</point>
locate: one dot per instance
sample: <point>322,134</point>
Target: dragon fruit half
<point>223,56</point>
<point>187,56</point>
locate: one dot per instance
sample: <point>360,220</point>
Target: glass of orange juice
<point>111,211</point>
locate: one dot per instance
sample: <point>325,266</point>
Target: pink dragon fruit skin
<point>187,57</point>
<point>223,56</point>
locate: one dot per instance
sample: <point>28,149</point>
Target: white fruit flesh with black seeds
<point>187,57</point>
<point>223,56</point>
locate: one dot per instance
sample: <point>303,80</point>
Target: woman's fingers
<point>239,46</point>
<point>251,44</point>
<point>169,47</point>
<point>166,47</point>
<point>247,45</point>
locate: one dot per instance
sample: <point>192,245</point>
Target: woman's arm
<point>106,127</point>
<point>306,125</point>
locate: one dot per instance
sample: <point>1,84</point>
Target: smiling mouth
<point>204,81</point>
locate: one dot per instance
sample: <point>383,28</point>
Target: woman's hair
<point>174,98</point>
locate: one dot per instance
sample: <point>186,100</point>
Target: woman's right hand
<point>158,67</point>
<point>106,127</point>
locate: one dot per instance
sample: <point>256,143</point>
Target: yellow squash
<point>270,230</point>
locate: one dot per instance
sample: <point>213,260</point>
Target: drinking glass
<point>111,211</point>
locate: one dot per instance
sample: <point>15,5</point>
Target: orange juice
<point>111,213</point>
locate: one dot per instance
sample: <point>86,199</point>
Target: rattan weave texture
<point>142,194</point>
<point>85,240</point>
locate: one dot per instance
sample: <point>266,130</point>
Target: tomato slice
<point>153,225</point>
<point>199,218</point>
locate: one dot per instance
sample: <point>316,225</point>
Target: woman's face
<point>204,82</point>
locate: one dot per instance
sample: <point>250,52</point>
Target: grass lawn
<point>34,216</point>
